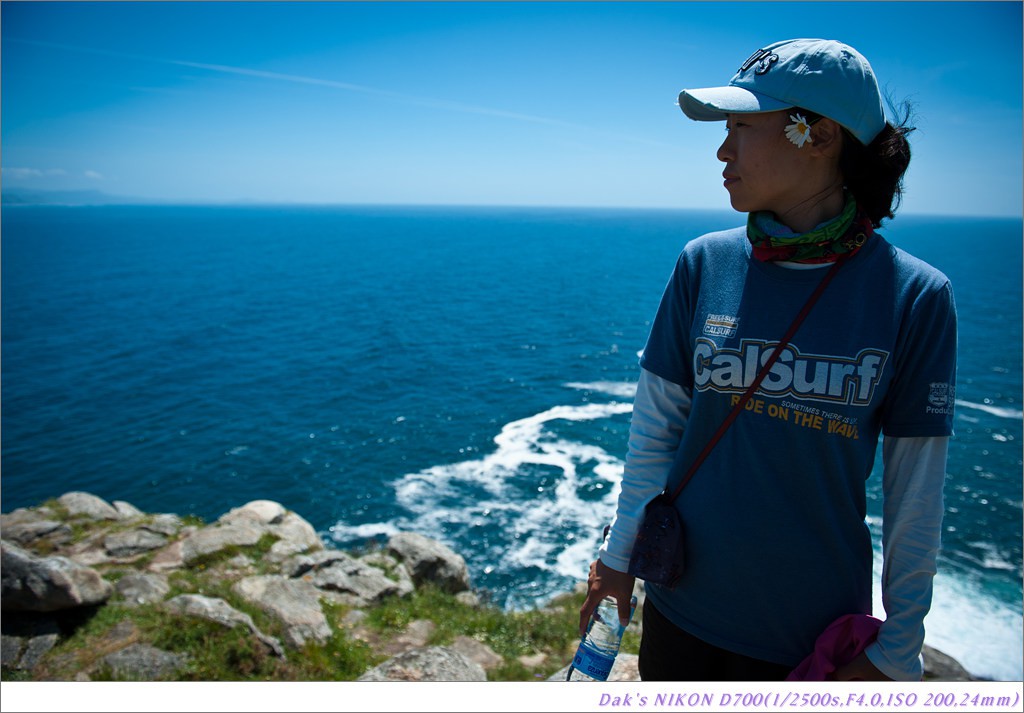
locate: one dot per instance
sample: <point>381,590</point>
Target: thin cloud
<point>93,175</point>
<point>428,102</point>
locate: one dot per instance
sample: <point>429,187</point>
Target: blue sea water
<point>466,373</point>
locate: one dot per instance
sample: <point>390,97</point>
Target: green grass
<point>219,653</point>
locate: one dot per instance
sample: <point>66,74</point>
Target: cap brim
<point>713,103</point>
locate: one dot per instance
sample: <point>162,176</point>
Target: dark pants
<point>667,653</point>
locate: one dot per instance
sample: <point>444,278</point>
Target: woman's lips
<point>729,179</point>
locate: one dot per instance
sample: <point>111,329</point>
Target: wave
<point>625,389</point>
<point>527,516</point>
<point>994,410</point>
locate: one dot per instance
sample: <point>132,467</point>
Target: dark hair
<point>874,173</point>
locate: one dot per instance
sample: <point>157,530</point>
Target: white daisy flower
<point>799,132</point>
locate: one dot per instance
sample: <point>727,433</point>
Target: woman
<point>776,541</point>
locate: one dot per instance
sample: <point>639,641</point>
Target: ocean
<point>465,373</point>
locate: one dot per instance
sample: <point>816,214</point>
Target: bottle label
<point>593,663</point>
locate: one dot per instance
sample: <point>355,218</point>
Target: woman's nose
<point>726,151</point>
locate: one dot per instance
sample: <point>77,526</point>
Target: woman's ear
<point>827,137</point>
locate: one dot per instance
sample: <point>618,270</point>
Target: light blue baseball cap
<point>824,76</point>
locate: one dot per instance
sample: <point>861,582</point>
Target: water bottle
<point>600,645</point>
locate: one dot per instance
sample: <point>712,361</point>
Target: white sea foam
<point>520,443</point>
<point>536,503</point>
<point>994,410</point>
<point>346,533</point>
<point>981,632</point>
<point>625,389</point>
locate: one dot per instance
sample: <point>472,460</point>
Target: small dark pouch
<point>659,551</point>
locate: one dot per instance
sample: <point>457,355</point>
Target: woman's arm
<point>660,411</point>
<point>914,472</point>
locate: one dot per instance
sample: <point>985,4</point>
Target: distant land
<point>19,196</point>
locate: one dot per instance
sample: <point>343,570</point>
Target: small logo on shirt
<point>940,397</point>
<point>721,325</point>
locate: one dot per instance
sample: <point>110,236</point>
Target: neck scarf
<point>844,234</point>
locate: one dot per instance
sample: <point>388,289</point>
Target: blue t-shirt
<point>777,543</point>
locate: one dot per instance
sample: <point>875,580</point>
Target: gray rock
<point>25,640</point>
<point>132,542</point>
<point>88,505</point>
<point>394,570</point>
<point>166,524</point>
<point>44,584</point>
<point>468,598</point>
<point>415,636</point>
<point>430,561</point>
<point>295,602</point>
<point>626,668</point>
<point>301,564</point>
<point>10,650</point>
<point>295,535</point>
<point>142,662</point>
<point>220,612</point>
<point>25,531</point>
<point>22,515</point>
<point>262,512</point>
<point>88,551</point>
<point>477,651</point>
<point>353,581</point>
<point>940,667</point>
<point>142,588</point>
<point>127,511</point>
<point>434,663</point>
<point>168,558</point>
<point>207,540</point>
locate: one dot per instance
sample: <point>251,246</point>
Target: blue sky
<point>532,103</point>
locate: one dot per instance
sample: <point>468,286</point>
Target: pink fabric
<point>837,646</point>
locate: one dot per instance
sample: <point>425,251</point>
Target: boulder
<point>26,639</point>
<point>430,561</point>
<point>132,542</point>
<point>44,584</point>
<point>434,663</point>
<point>167,524</point>
<point>220,612</point>
<point>142,662</point>
<point>350,581</point>
<point>262,512</point>
<point>295,602</point>
<point>79,504</point>
<point>207,540</point>
<point>127,511</point>
<point>141,588</point>
<point>940,667</point>
<point>295,535</point>
<point>23,526</point>
<point>477,651</point>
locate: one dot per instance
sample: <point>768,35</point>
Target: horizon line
<point>109,200</point>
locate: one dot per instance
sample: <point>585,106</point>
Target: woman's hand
<point>860,669</point>
<point>603,581</point>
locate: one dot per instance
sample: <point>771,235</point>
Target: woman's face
<point>764,170</point>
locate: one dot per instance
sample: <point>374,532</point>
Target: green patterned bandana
<point>845,233</point>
